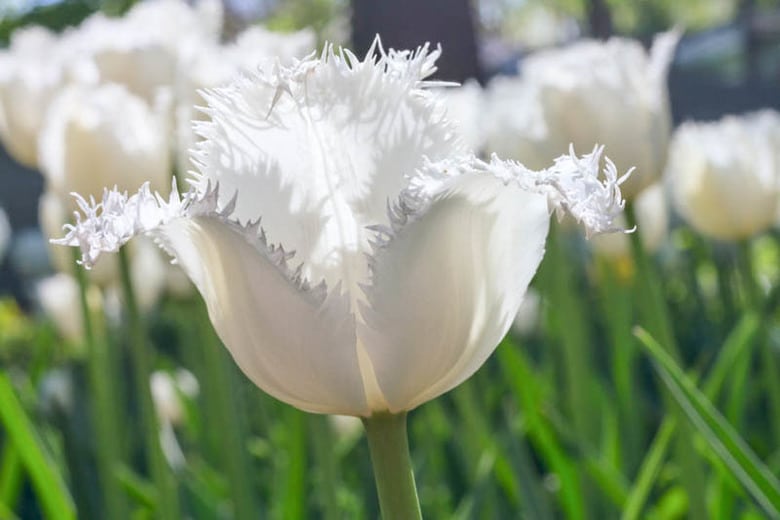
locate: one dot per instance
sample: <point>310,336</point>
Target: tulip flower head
<point>724,175</point>
<point>352,257</point>
<point>32,70</point>
<point>100,136</point>
<point>611,92</point>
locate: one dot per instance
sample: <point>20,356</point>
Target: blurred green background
<point>572,417</point>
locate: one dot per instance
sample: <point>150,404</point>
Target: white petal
<point>295,343</point>
<point>318,148</point>
<point>448,285</point>
<point>449,274</point>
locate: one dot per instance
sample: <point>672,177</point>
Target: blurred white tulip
<point>103,136</point>
<point>168,390</point>
<point>52,215</point>
<point>724,175</point>
<point>346,427</point>
<point>142,50</point>
<point>56,392</point>
<point>527,317</point>
<point>613,93</point>
<point>58,297</point>
<point>390,304</point>
<point>514,122</point>
<point>465,108</point>
<point>147,272</point>
<point>32,70</point>
<point>151,271</point>
<point>652,215</point>
<point>5,234</point>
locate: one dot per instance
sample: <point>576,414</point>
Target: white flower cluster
<point>110,103</point>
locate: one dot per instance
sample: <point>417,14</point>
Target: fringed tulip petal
<point>293,341</point>
<point>447,285</point>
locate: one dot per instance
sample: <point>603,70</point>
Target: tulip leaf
<point>49,487</point>
<point>727,445</point>
<point>648,471</point>
<point>731,352</point>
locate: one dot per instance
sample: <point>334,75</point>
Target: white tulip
<point>527,317</point>
<point>609,92</point>
<point>167,396</point>
<point>652,216</point>
<point>59,298</point>
<point>151,274</point>
<point>142,50</point>
<point>383,305</point>
<point>346,427</point>
<point>96,136</point>
<point>514,123</point>
<point>167,391</point>
<point>32,70</point>
<point>465,108</point>
<point>147,273</point>
<point>724,175</point>
<point>5,234</point>
<point>209,66</point>
<point>53,213</point>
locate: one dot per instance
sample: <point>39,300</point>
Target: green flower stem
<point>103,394</point>
<point>163,479</point>
<point>11,476</point>
<point>323,438</point>
<point>393,473</point>
<point>655,317</point>
<point>227,406</point>
<point>769,364</point>
<point>618,316</point>
<point>573,333</point>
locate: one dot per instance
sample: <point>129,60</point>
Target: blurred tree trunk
<point>746,19</point>
<point>406,24</point>
<point>599,19</point>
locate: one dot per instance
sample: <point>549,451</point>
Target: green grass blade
<point>719,434</point>
<point>541,435</point>
<point>49,487</point>
<point>11,476</point>
<point>648,471</point>
<point>737,341</point>
<point>291,462</point>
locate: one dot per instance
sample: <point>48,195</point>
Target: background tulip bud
<point>58,297</point>
<point>724,175</point>
<point>652,215</point>
<point>31,72</point>
<point>611,92</point>
<point>103,136</point>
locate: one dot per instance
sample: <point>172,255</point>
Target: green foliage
<point>510,441</point>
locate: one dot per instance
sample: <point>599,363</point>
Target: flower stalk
<point>769,365</point>
<point>225,406</point>
<point>654,312</point>
<point>387,441</point>
<point>102,370</point>
<point>168,497</point>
